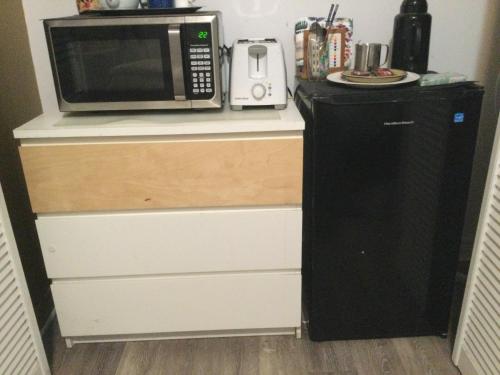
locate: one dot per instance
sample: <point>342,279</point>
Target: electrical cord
<point>225,51</point>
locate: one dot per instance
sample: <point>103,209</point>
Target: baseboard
<point>70,341</point>
<point>48,322</point>
<point>44,309</point>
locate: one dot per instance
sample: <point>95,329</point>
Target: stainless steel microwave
<point>106,63</point>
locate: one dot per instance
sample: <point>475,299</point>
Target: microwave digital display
<point>198,33</point>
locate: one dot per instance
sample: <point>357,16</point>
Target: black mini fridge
<point>386,180</point>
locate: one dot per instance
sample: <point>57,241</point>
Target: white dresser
<point>169,225</point>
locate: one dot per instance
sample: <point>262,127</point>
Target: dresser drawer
<point>171,242</point>
<point>178,304</point>
<point>161,175</point>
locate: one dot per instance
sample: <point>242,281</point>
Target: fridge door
<point>386,201</point>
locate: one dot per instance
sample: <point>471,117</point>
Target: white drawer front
<point>171,242</point>
<point>178,304</point>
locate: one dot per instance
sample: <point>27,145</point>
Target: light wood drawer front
<point>215,173</point>
<point>170,242</point>
<point>178,304</point>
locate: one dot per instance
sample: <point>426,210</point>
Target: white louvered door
<point>21,349</point>
<point>477,348</point>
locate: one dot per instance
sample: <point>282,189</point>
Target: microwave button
<point>192,50</point>
<point>193,57</point>
<point>209,74</point>
<point>195,85</point>
<point>202,91</point>
<point>206,50</point>
<point>209,90</point>
<point>202,74</point>
<point>195,80</point>
<point>194,68</point>
<point>202,85</point>
<point>207,68</point>
<point>199,50</point>
<point>207,62</point>
<point>195,75</point>
<point>196,91</point>
<point>194,63</point>
<point>209,84</point>
<point>206,56</point>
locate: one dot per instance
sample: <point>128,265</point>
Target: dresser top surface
<point>131,124</point>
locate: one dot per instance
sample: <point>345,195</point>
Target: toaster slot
<point>257,62</point>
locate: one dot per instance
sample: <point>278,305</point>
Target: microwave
<point>115,63</point>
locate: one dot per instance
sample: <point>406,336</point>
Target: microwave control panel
<point>199,60</point>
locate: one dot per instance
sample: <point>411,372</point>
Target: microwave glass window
<point>103,64</point>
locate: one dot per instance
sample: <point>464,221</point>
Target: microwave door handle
<point>174,39</point>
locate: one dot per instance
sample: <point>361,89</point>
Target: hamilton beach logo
<point>399,123</point>
<point>256,8</point>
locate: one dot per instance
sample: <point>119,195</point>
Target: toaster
<point>258,74</point>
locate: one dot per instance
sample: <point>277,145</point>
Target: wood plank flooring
<point>269,355</point>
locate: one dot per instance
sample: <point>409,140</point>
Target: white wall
<point>35,11</point>
<point>458,25</point>
<point>461,29</point>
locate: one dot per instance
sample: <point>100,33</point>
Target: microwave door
<point>119,68</point>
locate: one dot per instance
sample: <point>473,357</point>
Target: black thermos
<point>412,34</point>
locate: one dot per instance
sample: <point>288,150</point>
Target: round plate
<point>337,78</point>
<point>398,75</point>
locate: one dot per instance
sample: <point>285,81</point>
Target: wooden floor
<point>271,355</point>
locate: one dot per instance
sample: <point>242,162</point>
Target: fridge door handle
<point>174,39</point>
